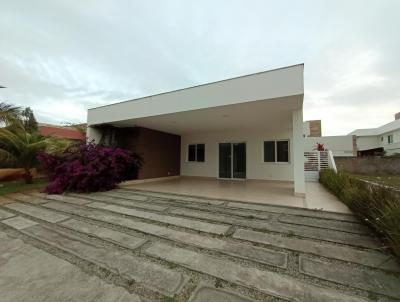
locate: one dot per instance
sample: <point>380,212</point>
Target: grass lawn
<point>20,186</point>
<point>387,180</point>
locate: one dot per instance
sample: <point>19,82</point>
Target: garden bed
<point>8,187</point>
<point>392,181</point>
<point>376,205</point>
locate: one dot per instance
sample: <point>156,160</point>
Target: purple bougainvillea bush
<point>88,168</point>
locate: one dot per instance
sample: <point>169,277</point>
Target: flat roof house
<point>244,128</point>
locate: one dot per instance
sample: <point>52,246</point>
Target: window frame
<point>196,160</point>
<point>276,151</point>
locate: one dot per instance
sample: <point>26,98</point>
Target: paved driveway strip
<point>196,249</point>
<point>244,251</point>
<point>183,222</point>
<point>291,229</point>
<point>268,282</point>
<point>36,212</point>
<point>152,275</point>
<point>29,274</point>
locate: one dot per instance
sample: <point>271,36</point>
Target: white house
<point>384,138</point>
<point>244,128</point>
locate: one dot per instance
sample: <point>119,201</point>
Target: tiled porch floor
<point>268,192</point>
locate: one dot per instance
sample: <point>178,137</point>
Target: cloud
<point>62,57</point>
<point>353,91</point>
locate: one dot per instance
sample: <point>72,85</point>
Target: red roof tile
<point>61,132</point>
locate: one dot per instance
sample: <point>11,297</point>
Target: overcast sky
<point>62,57</point>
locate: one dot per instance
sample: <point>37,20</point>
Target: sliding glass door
<point>232,160</point>
<point>225,160</point>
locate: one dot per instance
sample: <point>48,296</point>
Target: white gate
<point>314,161</point>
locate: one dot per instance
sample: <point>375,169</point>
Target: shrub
<point>377,206</point>
<point>88,168</point>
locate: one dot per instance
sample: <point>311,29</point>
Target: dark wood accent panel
<point>161,151</point>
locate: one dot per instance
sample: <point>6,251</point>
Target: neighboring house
<point>385,139</point>
<point>340,145</point>
<point>64,132</point>
<point>361,142</point>
<point>249,127</point>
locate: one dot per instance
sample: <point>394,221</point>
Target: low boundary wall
<point>369,165</point>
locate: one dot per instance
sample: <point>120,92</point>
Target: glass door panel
<point>239,160</point>
<point>225,160</point>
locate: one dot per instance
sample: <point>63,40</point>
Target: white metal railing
<point>331,161</point>
<point>315,161</point>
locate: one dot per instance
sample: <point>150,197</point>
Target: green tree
<point>21,147</point>
<point>9,113</point>
<point>29,120</point>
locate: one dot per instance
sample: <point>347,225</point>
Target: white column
<point>93,134</point>
<point>298,153</point>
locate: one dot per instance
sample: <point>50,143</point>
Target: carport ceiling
<point>259,115</point>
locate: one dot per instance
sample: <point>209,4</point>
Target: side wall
<point>393,147</point>
<point>93,134</point>
<point>159,150</point>
<point>368,142</point>
<point>256,168</point>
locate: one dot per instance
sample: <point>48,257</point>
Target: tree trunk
<point>28,176</point>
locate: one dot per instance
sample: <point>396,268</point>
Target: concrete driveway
<point>131,245</point>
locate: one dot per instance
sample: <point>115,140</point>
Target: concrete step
<point>170,196</point>
<point>290,229</point>
<point>206,292</point>
<point>218,229</point>
<point>268,282</point>
<point>329,250</point>
<point>344,226</point>
<point>116,237</point>
<point>225,246</point>
<point>36,212</point>
<point>124,202</point>
<point>151,275</point>
<point>370,280</point>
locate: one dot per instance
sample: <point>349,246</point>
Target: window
<point>196,152</point>
<point>282,151</point>
<point>390,139</point>
<point>200,152</point>
<point>192,153</point>
<point>269,151</point>
<point>276,151</point>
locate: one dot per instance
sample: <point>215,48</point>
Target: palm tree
<point>21,147</point>
<point>9,113</point>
